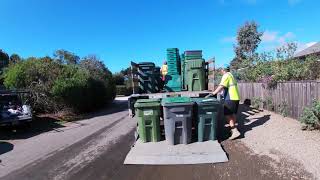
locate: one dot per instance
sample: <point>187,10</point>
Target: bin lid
<point>147,103</point>
<point>139,95</point>
<point>206,100</point>
<point>176,100</point>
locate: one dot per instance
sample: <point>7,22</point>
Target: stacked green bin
<point>193,54</point>
<point>147,81</point>
<point>182,60</point>
<point>173,83</point>
<point>173,78</point>
<point>173,61</point>
<point>189,55</point>
<point>158,81</point>
<point>177,114</point>
<point>207,111</point>
<point>196,75</point>
<point>148,114</point>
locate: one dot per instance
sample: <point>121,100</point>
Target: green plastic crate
<point>195,64</point>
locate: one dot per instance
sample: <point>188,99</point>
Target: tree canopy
<point>248,39</point>
<point>66,57</point>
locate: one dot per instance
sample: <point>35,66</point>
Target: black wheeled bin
<point>132,100</point>
<point>178,113</point>
<point>207,113</point>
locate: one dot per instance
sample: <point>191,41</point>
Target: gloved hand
<point>209,95</point>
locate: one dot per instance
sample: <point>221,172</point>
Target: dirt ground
<point>242,165</point>
<point>100,155</point>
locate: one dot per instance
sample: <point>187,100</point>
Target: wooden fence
<point>295,95</point>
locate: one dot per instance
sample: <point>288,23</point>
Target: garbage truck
<point>175,123</point>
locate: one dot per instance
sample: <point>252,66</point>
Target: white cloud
<point>231,39</point>
<point>286,37</point>
<point>289,35</point>
<point>271,40</point>
<point>274,37</point>
<point>269,36</point>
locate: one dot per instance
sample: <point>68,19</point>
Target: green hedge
<point>123,90</point>
<point>55,86</point>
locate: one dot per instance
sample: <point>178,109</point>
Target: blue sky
<point>120,31</point>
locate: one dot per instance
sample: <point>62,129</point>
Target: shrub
<point>55,86</point>
<point>316,108</point>
<point>37,76</point>
<point>268,103</point>
<point>311,116</point>
<point>124,90</point>
<point>69,89</point>
<point>309,119</point>
<point>283,108</point>
<point>119,79</point>
<point>256,102</point>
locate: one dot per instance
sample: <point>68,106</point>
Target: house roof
<point>310,50</point>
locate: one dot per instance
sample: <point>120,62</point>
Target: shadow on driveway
<point>5,147</point>
<point>244,126</point>
<point>41,125</point>
<point>37,126</point>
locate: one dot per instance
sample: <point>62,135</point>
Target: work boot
<point>235,134</point>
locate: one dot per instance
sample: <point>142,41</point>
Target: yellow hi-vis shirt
<point>164,70</point>
<point>231,91</point>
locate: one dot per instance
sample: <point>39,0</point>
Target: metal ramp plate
<point>160,153</point>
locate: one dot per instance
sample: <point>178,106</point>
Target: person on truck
<point>229,85</point>
<point>164,70</point>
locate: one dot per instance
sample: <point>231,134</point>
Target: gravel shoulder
<point>281,139</point>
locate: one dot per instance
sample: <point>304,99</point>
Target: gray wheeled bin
<point>178,113</point>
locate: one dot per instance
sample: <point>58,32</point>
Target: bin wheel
<point>136,136</point>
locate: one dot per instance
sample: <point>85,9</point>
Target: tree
<point>36,75</point>
<point>99,71</point>
<point>66,57</point>
<point>14,59</point>
<point>96,67</point>
<point>4,60</point>
<point>286,51</point>
<point>126,72</point>
<point>119,79</point>
<point>248,39</point>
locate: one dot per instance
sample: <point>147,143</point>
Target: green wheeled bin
<point>148,113</point>
<point>196,75</point>
<point>207,113</point>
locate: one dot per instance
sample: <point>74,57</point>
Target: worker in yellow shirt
<point>164,70</point>
<point>231,99</point>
